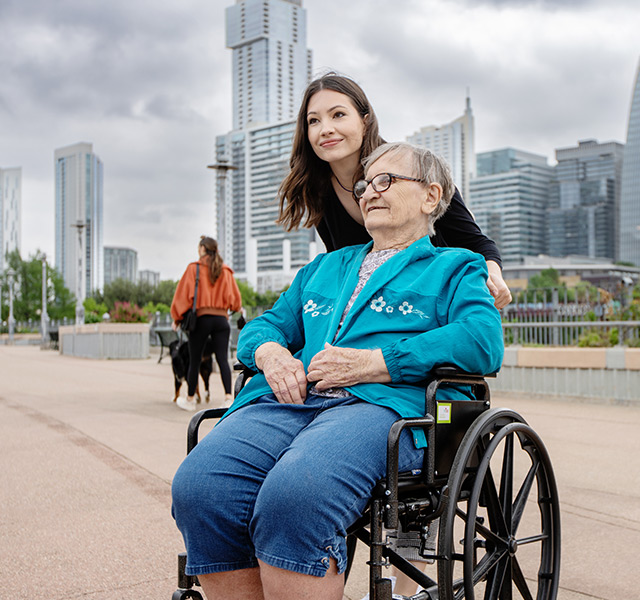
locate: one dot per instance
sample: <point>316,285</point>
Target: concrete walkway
<point>88,450</point>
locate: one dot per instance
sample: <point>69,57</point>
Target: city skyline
<point>152,93</point>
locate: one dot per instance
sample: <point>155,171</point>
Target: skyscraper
<point>120,263</point>
<point>584,199</point>
<point>78,238</point>
<point>10,212</point>
<point>271,69</point>
<point>455,142</point>
<point>508,198</point>
<point>271,64</point>
<point>629,236</point>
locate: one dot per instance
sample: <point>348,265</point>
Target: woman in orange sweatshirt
<point>217,294</point>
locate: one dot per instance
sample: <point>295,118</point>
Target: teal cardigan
<point>423,307</point>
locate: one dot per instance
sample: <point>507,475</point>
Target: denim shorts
<point>282,483</point>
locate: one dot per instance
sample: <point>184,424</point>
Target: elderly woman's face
<point>404,208</point>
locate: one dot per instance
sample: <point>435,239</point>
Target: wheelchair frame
<point>465,439</point>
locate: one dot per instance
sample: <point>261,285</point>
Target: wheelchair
<point>488,481</point>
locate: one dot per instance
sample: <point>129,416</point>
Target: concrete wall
<point>105,340</point>
<point>610,374</point>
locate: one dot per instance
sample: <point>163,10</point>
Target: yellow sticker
<point>444,412</point>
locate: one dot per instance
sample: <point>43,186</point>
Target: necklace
<point>344,188</point>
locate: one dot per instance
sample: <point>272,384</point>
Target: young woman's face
<point>335,128</point>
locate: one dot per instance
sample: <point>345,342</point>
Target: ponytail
<point>212,257</point>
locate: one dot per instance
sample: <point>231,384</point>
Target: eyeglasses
<point>380,183</point>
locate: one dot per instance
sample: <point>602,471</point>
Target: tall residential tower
<point>271,64</point>
<point>455,142</point>
<point>271,69</point>
<point>584,199</point>
<point>10,212</point>
<point>508,198</point>
<point>79,249</point>
<point>629,240</point>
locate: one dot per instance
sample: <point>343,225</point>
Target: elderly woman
<point>264,501</point>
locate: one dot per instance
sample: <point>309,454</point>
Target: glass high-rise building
<point>629,236</point>
<point>10,212</point>
<point>508,199</point>
<point>120,263</point>
<point>271,69</point>
<point>584,199</point>
<point>248,237</point>
<point>271,64</point>
<point>455,142</point>
<point>79,253</point>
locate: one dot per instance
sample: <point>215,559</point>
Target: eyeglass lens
<point>380,183</point>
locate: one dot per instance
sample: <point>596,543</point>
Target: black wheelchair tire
<point>474,498</point>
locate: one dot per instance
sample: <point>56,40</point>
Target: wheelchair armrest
<point>196,420</point>
<point>245,375</point>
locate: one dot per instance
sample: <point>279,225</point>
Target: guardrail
<point>572,333</point>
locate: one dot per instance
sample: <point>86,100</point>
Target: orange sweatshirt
<point>212,299</point>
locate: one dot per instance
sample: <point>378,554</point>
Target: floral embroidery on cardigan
<point>379,303</point>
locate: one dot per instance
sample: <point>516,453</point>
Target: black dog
<point>179,352</point>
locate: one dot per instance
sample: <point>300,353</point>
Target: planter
<point>105,340</point>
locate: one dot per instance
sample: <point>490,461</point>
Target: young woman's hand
<point>497,285</point>
<point>340,367</point>
<point>284,373</point>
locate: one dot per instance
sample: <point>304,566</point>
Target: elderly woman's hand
<point>285,374</point>
<point>340,367</point>
<point>497,285</point>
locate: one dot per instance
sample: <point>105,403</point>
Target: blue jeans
<point>282,483</point>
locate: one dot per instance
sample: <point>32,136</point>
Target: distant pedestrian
<point>217,294</point>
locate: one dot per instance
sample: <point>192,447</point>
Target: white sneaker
<point>185,404</point>
<point>228,399</point>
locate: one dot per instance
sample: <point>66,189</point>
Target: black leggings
<point>218,328</point>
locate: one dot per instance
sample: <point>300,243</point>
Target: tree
<point>140,294</point>
<point>28,290</point>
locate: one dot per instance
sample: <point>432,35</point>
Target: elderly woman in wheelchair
<point>264,502</point>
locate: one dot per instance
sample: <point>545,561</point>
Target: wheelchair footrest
<point>185,582</point>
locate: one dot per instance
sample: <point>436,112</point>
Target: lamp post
<point>79,225</point>
<point>44,317</point>
<point>222,167</point>
<point>10,275</point>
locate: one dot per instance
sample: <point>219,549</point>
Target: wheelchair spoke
<point>497,588</point>
<point>519,580</point>
<point>487,564</point>
<point>533,539</point>
<point>494,506</point>
<point>506,481</point>
<point>523,495</point>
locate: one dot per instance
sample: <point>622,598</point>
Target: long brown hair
<point>301,193</point>
<point>212,257</point>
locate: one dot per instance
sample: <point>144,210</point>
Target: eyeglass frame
<point>393,177</point>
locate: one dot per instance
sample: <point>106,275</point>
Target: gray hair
<point>427,167</point>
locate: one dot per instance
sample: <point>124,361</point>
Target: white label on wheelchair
<point>444,412</point>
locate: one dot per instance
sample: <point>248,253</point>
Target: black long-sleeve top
<point>455,228</point>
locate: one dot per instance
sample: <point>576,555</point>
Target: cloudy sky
<point>149,85</point>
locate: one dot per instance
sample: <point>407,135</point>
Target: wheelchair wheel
<point>499,534</point>
<point>187,595</point>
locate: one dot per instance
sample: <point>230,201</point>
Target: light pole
<point>221,167</point>
<point>79,225</point>
<point>44,317</point>
<point>10,274</point>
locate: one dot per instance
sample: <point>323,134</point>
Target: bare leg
<point>404,585</point>
<point>279,584</point>
<point>243,584</point>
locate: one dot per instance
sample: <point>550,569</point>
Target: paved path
<point>88,450</point>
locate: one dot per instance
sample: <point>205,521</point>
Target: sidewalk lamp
<point>44,317</point>
<point>221,167</point>
<point>10,275</point>
<point>79,225</point>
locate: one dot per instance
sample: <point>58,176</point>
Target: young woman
<point>217,294</point>
<point>336,129</point>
